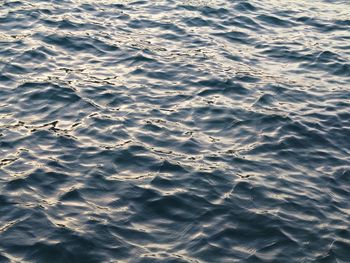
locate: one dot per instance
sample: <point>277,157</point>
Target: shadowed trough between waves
<point>174,131</point>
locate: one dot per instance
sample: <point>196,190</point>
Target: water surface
<point>174,131</point>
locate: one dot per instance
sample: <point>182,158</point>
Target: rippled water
<point>174,131</point>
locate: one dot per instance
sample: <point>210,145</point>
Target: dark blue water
<point>174,131</point>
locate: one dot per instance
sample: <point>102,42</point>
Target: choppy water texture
<point>174,131</point>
